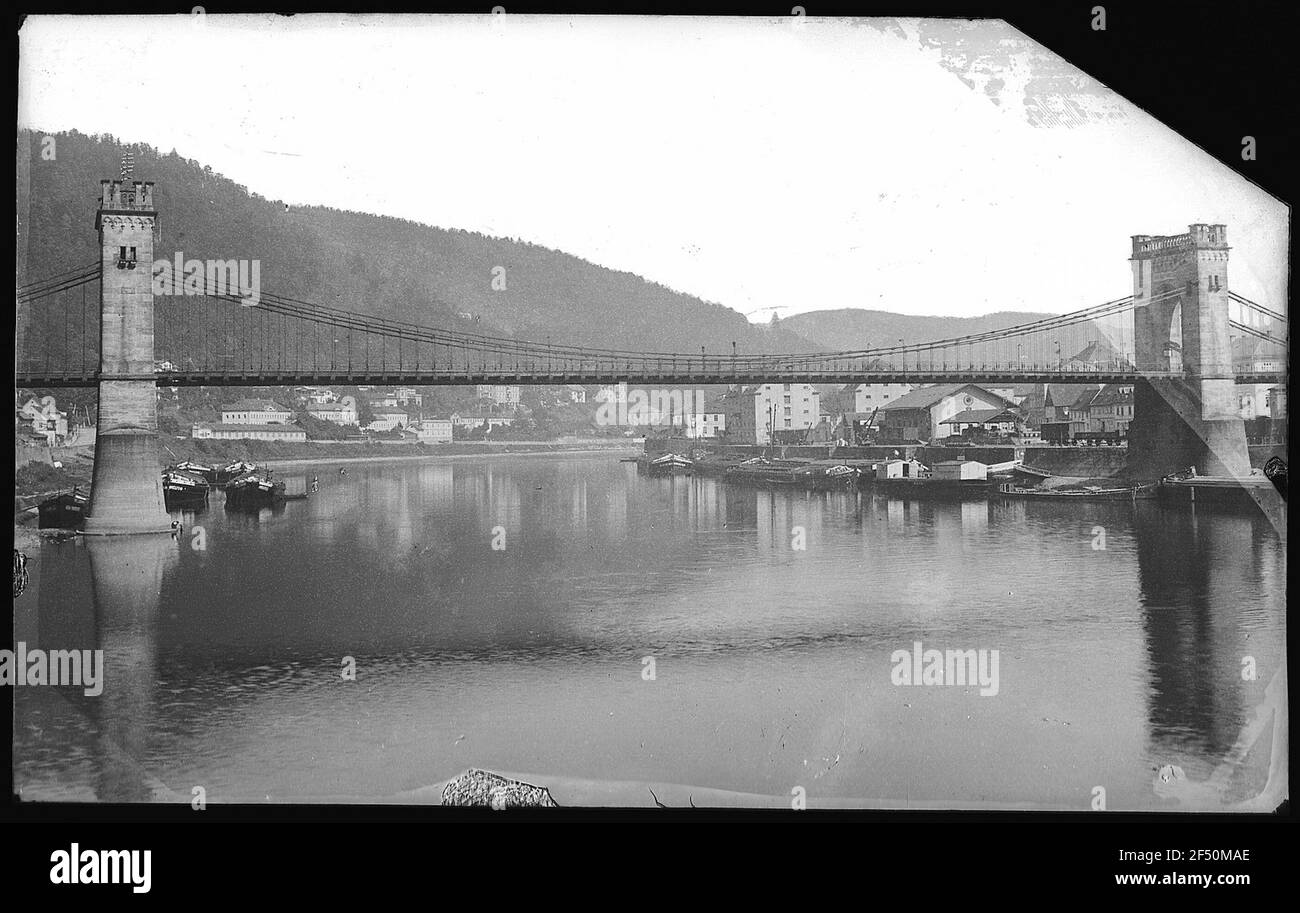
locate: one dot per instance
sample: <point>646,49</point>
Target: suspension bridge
<point>1182,338</point>
<point>207,337</point>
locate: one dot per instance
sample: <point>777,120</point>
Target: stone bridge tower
<point>126,494</point>
<point>1180,323</point>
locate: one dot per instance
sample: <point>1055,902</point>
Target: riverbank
<point>440,456</point>
<point>36,480</point>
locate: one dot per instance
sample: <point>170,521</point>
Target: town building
<point>1016,394</point>
<point>988,421</point>
<point>408,397</point>
<point>504,396</point>
<point>862,397</point>
<point>338,413</point>
<point>852,427</point>
<point>821,433</point>
<point>1277,402</point>
<point>221,431</point>
<point>1050,403</point>
<point>759,413</point>
<point>920,414</point>
<point>317,395</point>
<point>709,422</point>
<point>387,419</point>
<point>471,420</point>
<point>434,430</point>
<point>255,412</point>
<point>1112,409</point>
<point>1080,411</point>
<point>50,425</point>
<point>1098,355</point>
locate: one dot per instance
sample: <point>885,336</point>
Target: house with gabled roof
<point>920,414</point>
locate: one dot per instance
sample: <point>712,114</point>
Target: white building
<point>470,421</point>
<point>507,396</point>
<point>922,413</point>
<point>863,397</point>
<point>255,412</point>
<point>387,419</point>
<point>710,421</point>
<point>49,425</point>
<point>406,396</point>
<point>755,413</point>
<point>1277,402</point>
<point>240,432</point>
<point>316,394</point>
<point>338,413</point>
<point>434,430</point>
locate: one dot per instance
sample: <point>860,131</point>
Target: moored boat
<point>66,510</point>
<point>253,490</point>
<point>670,464</point>
<point>821,477</point>
<point>184,488</point>
<point>1140,492</point>
<point>759,471</point>
<point>930,487</point>
<point>204,471</point>
<point>232,471</point>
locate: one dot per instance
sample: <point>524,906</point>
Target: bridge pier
<point>126,494</point>
<point>1170,433</point>
<point>1180,316</point>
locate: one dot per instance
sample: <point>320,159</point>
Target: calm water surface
<point>771,664</point>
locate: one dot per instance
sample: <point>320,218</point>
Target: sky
<point>774,166</point>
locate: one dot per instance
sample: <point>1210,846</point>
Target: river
<point>565,619</point>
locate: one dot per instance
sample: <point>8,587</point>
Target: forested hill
<point>856,328</point>
<point>366,263</point>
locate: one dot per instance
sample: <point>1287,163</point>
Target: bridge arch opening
<point>1173,346</point>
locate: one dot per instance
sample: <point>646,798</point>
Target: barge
<point>183,488</point>
<point>253,491</point>
<point>1142,492</point>
<point>670,464</point>
<point>231,471</point>
<point>66,510</point>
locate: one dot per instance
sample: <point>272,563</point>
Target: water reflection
<point>1210,587</point>
<point>223,660</point>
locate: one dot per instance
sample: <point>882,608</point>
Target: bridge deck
<point>708,375</point>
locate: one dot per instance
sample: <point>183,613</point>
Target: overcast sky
<point>921,167</point>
